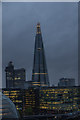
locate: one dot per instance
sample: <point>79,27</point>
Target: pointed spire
<point>39,72</point>
<point>38,28</point>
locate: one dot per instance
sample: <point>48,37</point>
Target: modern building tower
<point>9,75</point>
<point>39,72</point>
<point>19,78</point>
<point>15,78</point>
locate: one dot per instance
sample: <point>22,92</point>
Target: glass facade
<point>16,96</point>
<point>31,100</point>
<point>9,75</point>
<point>7,108</point>
<point>15,78</point>
<point>39,73</point>
<point>45,99</point>
<point>59,100</point>
<point>23,98</point>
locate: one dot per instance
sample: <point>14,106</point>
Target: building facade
<point>59,99</point>
<point>66,82</point>
<point>7,109</point>
<point>10,75</point>
<point>16,96</point>
<point>45,99</point>
<point>31,100</point>
<point>19,78</point>
<point>39,72</point>
<point>24,99</point>
<point>15,78</point>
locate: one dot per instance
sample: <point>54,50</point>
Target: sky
<point>0,45</point>
<point>59,27</point>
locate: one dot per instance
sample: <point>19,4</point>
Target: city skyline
<point>60,39</point>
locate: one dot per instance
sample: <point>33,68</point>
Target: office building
<point>78,95</point>
<point>7,109</point>
<point>15,78</point>
<point>31,100</point>
<point>15,95</point>
<point>45,99</point>
<point>39,72</point>
<point>59,100</point>
<point>65,82</point>
<point>10,75</point>
<point>24,99</point>
<point>19,78</point>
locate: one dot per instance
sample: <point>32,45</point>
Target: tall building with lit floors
<point>39,72</point>
<point>15,78</point>
<point>9,75</point>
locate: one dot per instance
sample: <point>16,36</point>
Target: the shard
<point>39,72</point>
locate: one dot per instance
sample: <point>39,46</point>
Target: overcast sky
<point>59,26</point>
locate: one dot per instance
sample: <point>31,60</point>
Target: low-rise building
<point>59,99</point>
<point>45,99</point>
<point>66,82</point>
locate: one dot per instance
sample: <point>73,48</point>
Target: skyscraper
<point>15,78</point>
<point>9,75</point>
<point>39,72</point>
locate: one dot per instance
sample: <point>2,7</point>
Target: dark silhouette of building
<point>9,75</point>
<point>15,78</point>
<point>65,82</point>
<point>19,78</point>
<point>39,72</point>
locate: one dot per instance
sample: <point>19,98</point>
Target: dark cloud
<point>59,31</point>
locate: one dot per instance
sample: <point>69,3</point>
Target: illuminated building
<point>7,109</point>
<point>15,78</point>
<point>9,75</point>
<point>66,82</point>
<point>23,98</point>
<point>39,72</point>
<point>59,100</point>
<point>78,95</point>
<point>45,99</point>
<point>31,100</point>
<point>19,78</point>
<point>16,96</point>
